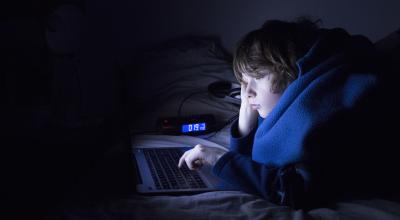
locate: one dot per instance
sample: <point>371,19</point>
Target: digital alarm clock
<point>188,125</point>
<point>194,127</point>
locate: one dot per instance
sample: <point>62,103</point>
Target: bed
<point>171,80</point>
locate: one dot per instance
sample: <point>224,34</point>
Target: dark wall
<point>62,119</point>
<point>138,23</point>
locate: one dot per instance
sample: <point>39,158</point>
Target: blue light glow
<point>186,128</point>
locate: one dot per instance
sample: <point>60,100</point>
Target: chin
<point>262,114</point>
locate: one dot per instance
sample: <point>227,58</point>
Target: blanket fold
<point>333,78</point>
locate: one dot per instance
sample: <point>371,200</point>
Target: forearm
<point>284,186</point>
<point>239,143</point>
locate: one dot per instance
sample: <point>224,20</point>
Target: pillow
<point>390,45</point>
<point>176,75</point>
<point>184,52</point>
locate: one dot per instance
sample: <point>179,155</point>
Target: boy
<point>301,88</point>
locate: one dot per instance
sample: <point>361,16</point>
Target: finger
<point>182,159</point>
<point>242,91</point>
<point>191,159</point>
<point>189,163</point>
<point>198,146</point>
<point>197,164</point>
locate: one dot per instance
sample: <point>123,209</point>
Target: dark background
<point>63,96</point>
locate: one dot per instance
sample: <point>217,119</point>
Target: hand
<point>247,115</point>
<point>200,155</point>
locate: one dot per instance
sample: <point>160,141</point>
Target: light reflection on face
<point>259,94</point>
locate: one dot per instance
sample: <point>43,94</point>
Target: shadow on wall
<point>58,124</point>
<point>52,67</point>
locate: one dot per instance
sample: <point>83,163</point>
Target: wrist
<point>247,120</point>
<point>245,126</point>
<point>217,157</point>
<point>218,153</point>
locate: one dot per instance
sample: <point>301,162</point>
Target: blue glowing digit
<point>202,127</point>
<point>193,127</point>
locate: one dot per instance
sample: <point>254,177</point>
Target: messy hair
<point>274,49</point>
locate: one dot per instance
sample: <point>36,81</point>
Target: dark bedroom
<point>206,109</point>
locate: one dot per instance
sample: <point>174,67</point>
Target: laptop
<point>158,172</point>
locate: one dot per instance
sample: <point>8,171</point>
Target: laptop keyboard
<point>164,169</point>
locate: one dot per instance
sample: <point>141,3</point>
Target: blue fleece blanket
<point>333,78</point>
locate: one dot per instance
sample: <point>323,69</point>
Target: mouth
<point>255,106</point>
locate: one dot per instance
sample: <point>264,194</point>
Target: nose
<point>250,90</point>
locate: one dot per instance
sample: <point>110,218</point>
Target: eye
<point>258,78</point>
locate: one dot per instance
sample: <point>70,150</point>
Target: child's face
<point>259,94</point>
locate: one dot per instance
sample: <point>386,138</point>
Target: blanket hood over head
<point>333,77</point>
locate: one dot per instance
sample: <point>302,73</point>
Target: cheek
<point>269,99</point>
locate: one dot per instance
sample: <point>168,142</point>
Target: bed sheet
<point>223,204</point>
<point>231,205</point>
